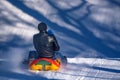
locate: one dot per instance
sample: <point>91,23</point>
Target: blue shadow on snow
<point>88,39</point>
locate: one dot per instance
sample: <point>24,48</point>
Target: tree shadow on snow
<point>14,75</point>
<point>106,69</point>
<point>87,38</point>
<point>14,42</point>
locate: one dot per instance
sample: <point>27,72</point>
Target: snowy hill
<point>87,31</point>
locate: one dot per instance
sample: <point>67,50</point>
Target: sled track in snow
<point>78,69</point>
<point>86,69</point>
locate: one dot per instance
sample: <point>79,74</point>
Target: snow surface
<point>87,31</point>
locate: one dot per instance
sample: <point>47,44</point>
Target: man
<point>45,43</point>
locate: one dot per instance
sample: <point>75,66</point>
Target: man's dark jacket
<point>45,44</point>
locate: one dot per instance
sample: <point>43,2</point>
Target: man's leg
<point>62,58</point>
<point>33,55</point>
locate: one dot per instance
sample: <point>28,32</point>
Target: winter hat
<point>42,26</point>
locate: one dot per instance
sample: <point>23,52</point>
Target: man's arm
<point>35,42</point>
<point>56,46</point>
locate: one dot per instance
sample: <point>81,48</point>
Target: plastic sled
<point>44,64</point>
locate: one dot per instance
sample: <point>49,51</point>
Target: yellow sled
<point>45,64</point>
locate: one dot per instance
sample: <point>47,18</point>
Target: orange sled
<point>45,64</point>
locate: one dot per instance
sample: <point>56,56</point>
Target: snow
<point>87,31</point>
